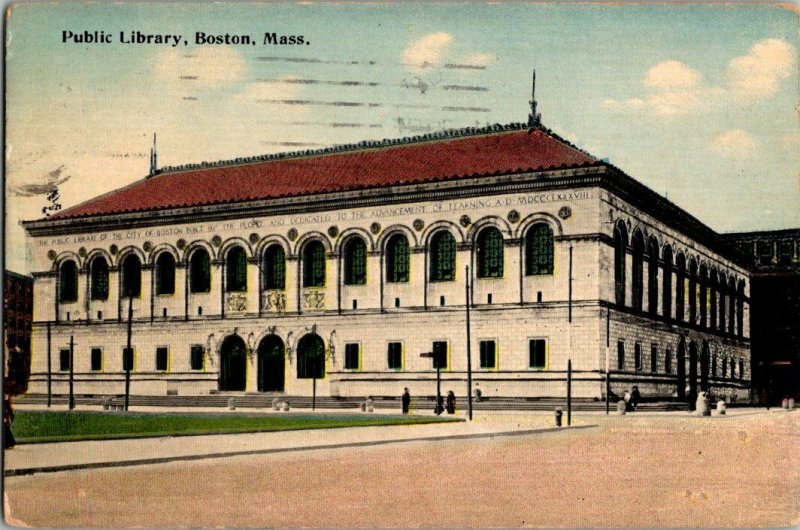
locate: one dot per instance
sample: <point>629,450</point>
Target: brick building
<point>17,326</point>
<point>774,259</point>
<point>341,266</point>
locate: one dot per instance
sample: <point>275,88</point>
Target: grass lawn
<point>46,426</point>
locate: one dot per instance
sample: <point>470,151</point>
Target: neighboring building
<point>774,258</point>
<point>17,320</point>
<point>265,274</point>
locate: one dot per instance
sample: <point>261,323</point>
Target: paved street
<point>643,471</point>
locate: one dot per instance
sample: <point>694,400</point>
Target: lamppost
<point>437,363</point>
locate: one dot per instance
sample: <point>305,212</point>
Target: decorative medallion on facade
<point>418,224</point>
<point>565,212</point>
<point>274,301</point>
<point>465,221</point>
<point>313,299</point>
<point>181,244</point>
<point>82,252</point>
<point>236,303</point>
<point>513,216</point>
<point>147,246</point>
<point>292,234</point>
<point>333,231</point>
<point>254,238</point>
<point>216,241</point>
<point>52,255</point>
<point>113,249</point>
<point>375,228</point>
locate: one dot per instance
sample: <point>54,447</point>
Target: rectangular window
<point>488,354</point>
<point>63,358</point>
<point>196,358</point>
<point>440,354</point>
<point>395,355</point>
<point>765,251</point>
<point>162,358</point>
<point>352,354</point>
<point>668,361</point>
<point>654,358</point>
<point>127,359</point>
<point>620,355</point>
<point>97,359</point>
<point>537,354</point>
<point>785,251</point>
<point>637,356</point>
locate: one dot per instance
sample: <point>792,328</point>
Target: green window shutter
<point>355,262</point>
<point>314,265</point>
<point>539,250</point>
<point>236,270</point>
<point>275,268</point>
<point>443,257</point>
<point>397,259</point>
<point>490,253</point>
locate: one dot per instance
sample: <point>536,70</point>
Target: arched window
<point>236,270</point>
<point>131,276</point>
<point>714,365</point>
<point>68,282</point>
<point>620,246</point>
<point>652,276</point>
<point>443,257</point>
<point>741,369</point>
<point>200,272</point>
<point>274,268</point>
<point>680,290</point>
<point>733,369</point>
<point>666,292</point>
<point>314,264</point>
<point>723,296</point>
<point>99,277</point>
<point>355,261</point>
<point>165,273</point>
<point>397,259</point>
<point>740,309</point>
<point>489,253</point>
<point>692,291</point>
<point>637,251</point>
<point>724,367</point>
<point>703,294</point>
<point>732,305</point>
<point>713,289</point>
<point>539,250</point>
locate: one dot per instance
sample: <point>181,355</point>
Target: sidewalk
<point>51,457</point>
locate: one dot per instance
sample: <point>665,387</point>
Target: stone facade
<point>573,307</point>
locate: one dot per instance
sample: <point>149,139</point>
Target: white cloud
<point>478,59</point>
<point>758,74</point>
<point>206,67</point>
<point>427,51</point>
<point>671,75</point>
<point>734,143</point>
<point>254,92</point>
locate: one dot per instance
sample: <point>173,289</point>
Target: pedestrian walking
<point>451,402</point>
<point>8,420</point>
<point>406,400</point>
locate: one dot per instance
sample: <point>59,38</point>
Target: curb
<point>167,459</point>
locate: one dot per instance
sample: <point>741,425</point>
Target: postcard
<point>401,265</point>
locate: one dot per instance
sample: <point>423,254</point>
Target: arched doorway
<point>705,357</point>
<point>232,364</point>
<point>681,369</point>
<point>692,373</point>
<point>310,357</point>
<point>271,364</point>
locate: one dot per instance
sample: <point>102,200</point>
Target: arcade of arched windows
<point>680,286</point>
<point>199,260</point>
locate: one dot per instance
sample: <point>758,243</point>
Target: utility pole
<point>129,351</point>
<point>49,369</point>
<point>71,373</point>
<point>469,349</point>
<point>569,392</point>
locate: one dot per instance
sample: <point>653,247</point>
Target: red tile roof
<point>449,156</point>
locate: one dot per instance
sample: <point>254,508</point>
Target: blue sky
<point>697,102</point>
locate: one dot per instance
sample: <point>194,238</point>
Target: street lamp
<point>437,362</point>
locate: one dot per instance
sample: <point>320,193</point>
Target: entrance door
<point>681,368</point>
<point>271,368</point>
<point>233,364</point>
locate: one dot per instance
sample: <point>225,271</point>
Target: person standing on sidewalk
<point>8,419</point>
<point>451,402</point>
<point>406,400</point>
